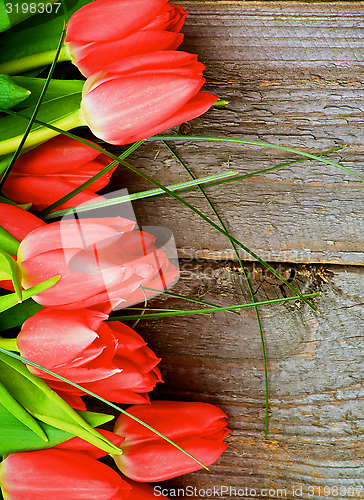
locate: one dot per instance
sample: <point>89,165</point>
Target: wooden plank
<point>316,430</point>
<point>293,75</point>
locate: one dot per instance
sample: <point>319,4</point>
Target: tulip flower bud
<point>198,428</point>
<point>59,474</point>
<point>109,359</point>
<point>102,262</point>
<point>50,171</point>
<point>103,31</point>
<point>137,97</point>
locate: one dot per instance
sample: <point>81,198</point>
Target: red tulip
<point>48,172</point>
<point>122,28</point>
<point>18,222</point>
<point>109,359</point>
<point>59,474</point>
<point>101,262</point>
<point>143,95</point>
<point>198,428</point>
<point>138,491</point>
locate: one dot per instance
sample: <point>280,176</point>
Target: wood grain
<point>316,376</point>
<point>293,75</point>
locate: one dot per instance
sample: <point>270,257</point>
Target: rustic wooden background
<point>293,74</point>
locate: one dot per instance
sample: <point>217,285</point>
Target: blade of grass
<point>39,367</point>
<point>253,143</point>
<point>242,267</point>
<point>184,297</point>
<point>184,312</point>
<point>132,197</point>
<point>192,138</point>
<point>143,310</point>
<point>149,309</point>
<point>35,112</point>
<point>222,231</point>
<point>256,172</point>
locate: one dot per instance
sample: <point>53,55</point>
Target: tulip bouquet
<point>61,280</point>
<point>64,273</point>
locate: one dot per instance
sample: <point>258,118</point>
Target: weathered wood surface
<point>316,373</point>
<point>293,75</point>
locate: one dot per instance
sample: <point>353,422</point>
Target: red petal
<point>138,461</point>
<point>53,337</point>
<point>111,19</point>
<point>17,221</point>
<point>55,156</point>
<point>88,57</point>
<point>198,105</point>
<point>151,62</point>
<point>175,419</point>
<point>77,234</point>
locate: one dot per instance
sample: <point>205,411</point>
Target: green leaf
<point>15,437</point>
<point>41,402</point>
<point>8,242</point>
<point>4,18</point>
<point>11,300</point>
<point>56,89</point>
<point>95,419</point>
<point>10,267</point>
<point>20,413</point>
<point>11,94</point>
<point>221,102</point>
<point>24,139</point>
<point>16,315</point>
<point>14,14</point>
<point>62,112</point>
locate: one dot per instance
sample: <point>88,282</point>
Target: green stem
<point>34,61</point>
<point>42,134</point>
<point>9,344</point>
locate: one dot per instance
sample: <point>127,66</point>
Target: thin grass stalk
<point>247,281</point>
<point>187,312</point>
